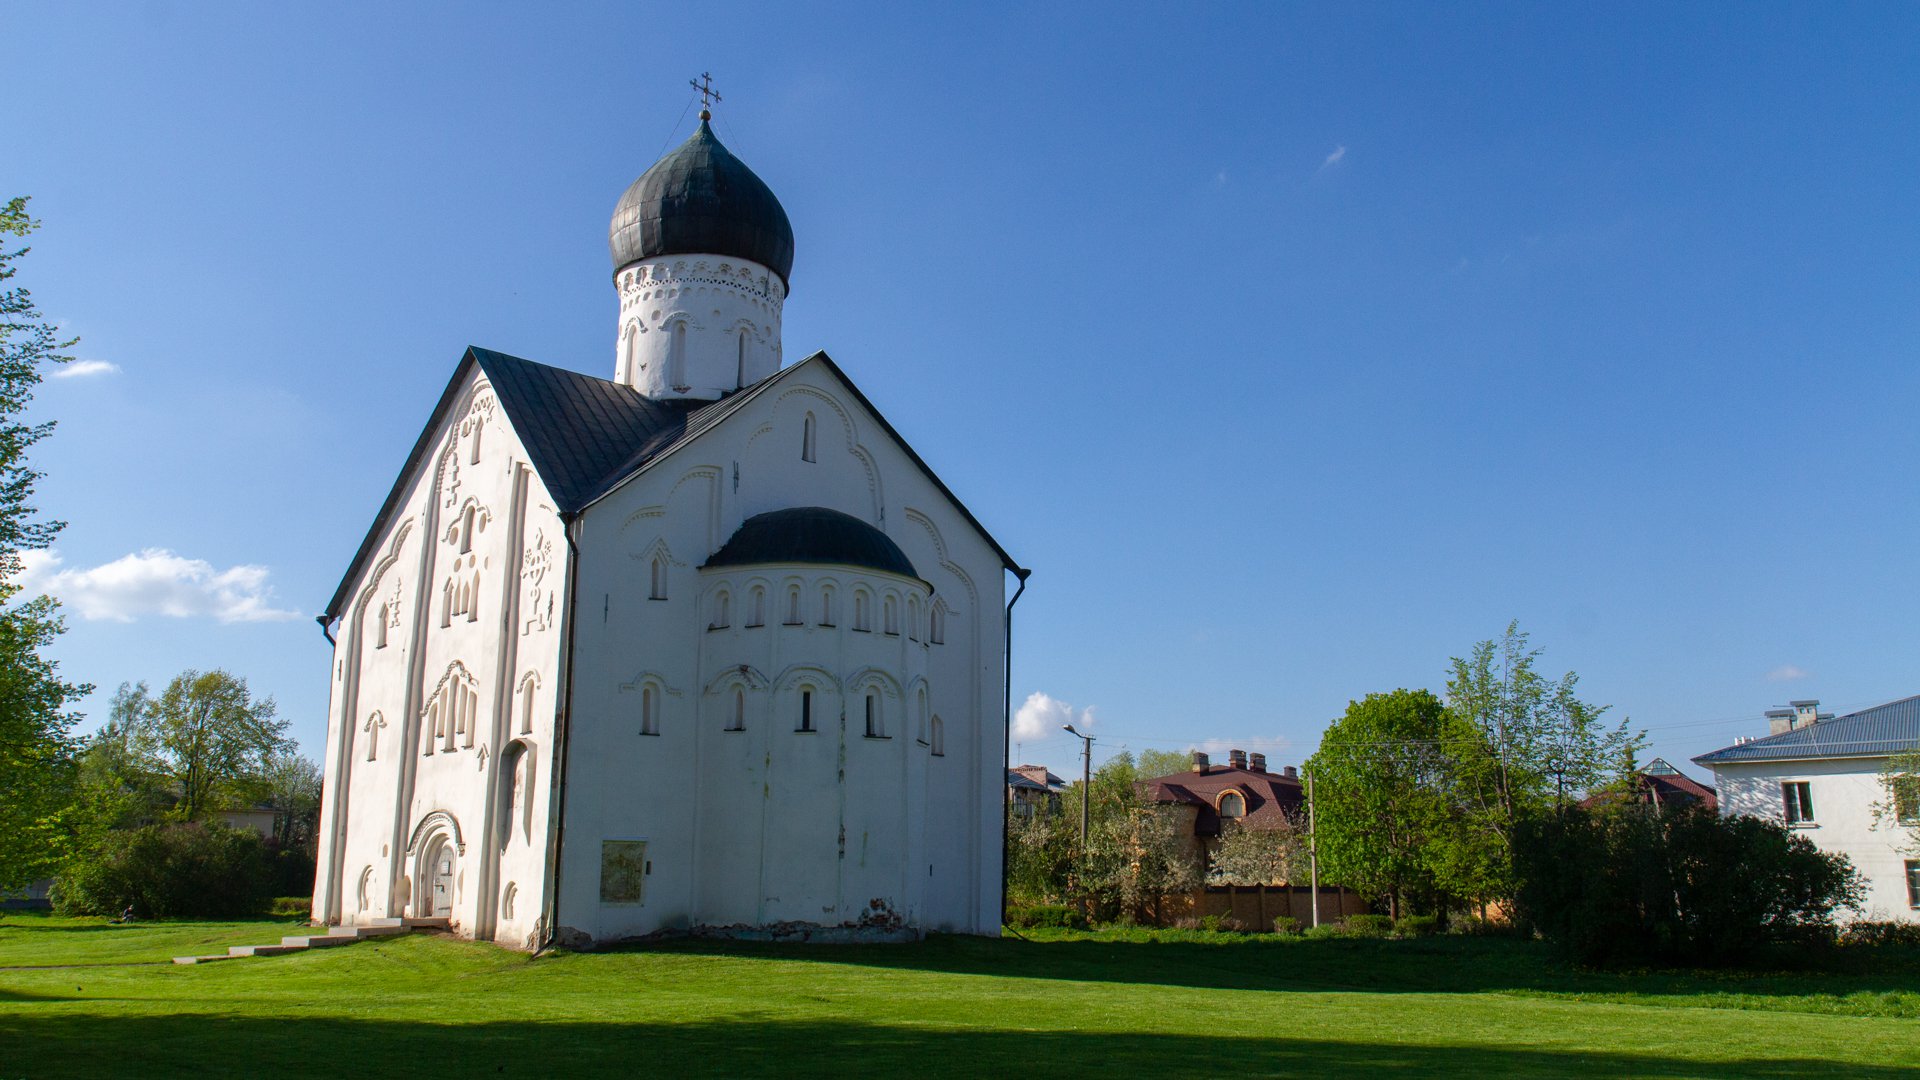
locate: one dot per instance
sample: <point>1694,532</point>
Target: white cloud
<point>1339,152</point>
<point>154,582</point>
<point>1042,714</point>
<point>82,369</point>
<point>1788,673</point>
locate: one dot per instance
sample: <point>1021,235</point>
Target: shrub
<point>1054,915</point>
<point>160,871</point>
<point>1368,926</point>
<point>1418,926</point>
<point>1630,884</point>
<point>1322,932</point>
<point>1286,924</point>
<point>1881,933</point>
<point>291,907</point>
<point>1211,923</point>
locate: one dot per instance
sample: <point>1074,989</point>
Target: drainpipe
<point>326,622</point>
<point>561,728</point>
<point>1006,746</point>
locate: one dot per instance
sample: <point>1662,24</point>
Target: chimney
<point>1805,713</point>
<point>1257,762</point>
<point>1290,773</point>
<point>1199,762</point>
<point>1779,720</point>
<point>1237,758</point>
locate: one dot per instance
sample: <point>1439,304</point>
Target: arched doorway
<point>437,875</point>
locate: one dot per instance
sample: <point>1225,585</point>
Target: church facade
<point>704,645</point>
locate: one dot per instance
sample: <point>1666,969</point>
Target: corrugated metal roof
<point>1877,732</point>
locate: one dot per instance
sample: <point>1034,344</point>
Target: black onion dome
<point>812,534</point>
<point>701,200</point>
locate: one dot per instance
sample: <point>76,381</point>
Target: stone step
<point>368,931</point>
<point>203,959</point>
<point>319,941</point>
<point>264,950</point>
<point>411,922</point>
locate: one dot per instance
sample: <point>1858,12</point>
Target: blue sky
<point>1295,347</point>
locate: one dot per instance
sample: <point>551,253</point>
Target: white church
<point>705,646</point>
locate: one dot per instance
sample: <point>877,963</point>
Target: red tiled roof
<point>1671,790</point>
<point>1273,800</point>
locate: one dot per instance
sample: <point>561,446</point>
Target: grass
<point>1060,1003</point>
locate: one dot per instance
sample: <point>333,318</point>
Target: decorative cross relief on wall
<point>534,564</point>
<point>393,604</point>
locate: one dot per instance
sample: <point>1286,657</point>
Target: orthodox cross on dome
<point>707,96</point>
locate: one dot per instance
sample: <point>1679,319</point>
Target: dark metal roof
<point>812,534</point>
<point>700,199</point>
<point>1877,732</point>
<point>1273,800</point>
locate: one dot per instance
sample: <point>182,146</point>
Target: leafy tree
<point>1520,745</point>
<point>1153,764</point>
<point>1900,805</point>
<point>292,784</point>
<point>1139,855</point>
<point>1251,856</point>
<point>1379,796</point>
<point>177,869</point>
<point>209,737</point>
<point>37,747</point>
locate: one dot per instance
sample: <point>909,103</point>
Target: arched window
<point>806,439</point>
<point>466,530</point>
<point>937,634</point>
<point>527,688</point>
<point>677,356</point>
<point>740,370</point>
<point>757,608</point>
<point>737,720</point>
<point>860,611</point>
<point>913,618</point>
<point>473,595</point>
<point>1232,804</point>
<point>939,737</point>
<point>890,616</point>
<point>793,605</point>
<point>380,630</point>
<point>920,716</point>
<point>722,618</point>
<point>649,712</point>
<point>629,354</point>
<point>446,605</point>
<point>875,730</point>
<point>478,426</point>
<point>366,888</point>
<point>657,589</point>
<point>806,709</point>
<point>372,727</point>
<point>826,605</point>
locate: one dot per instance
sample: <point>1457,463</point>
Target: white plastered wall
<point>1843,792</point>
<point>469,578</point>
<point>769,824</point>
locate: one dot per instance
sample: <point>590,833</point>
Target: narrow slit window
<point>826,607</point>
<point>721,616</point>
<point>873,716</point>
<point>740,370</point>
<point>466,530</point>
<point>806,708</point>
<point>939,738</point>
<point>649,712</point>
<point>658,588</point>
<point>806,439</point>
<point>937,634</point>
<point>793,606</point>
<point>526,707</point>
<point>380,631</point>
<point>738,720</point>
<point>677,356</point>
<point>860,611</point>
<point>891,616</point>
<point>757,608</point>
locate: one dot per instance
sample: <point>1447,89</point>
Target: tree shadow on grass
<point>1431,966</point>
<point>217,1046</point>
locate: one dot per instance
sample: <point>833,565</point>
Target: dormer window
<point>1232,804</point>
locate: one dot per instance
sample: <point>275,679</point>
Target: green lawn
<point>1071,1004</point>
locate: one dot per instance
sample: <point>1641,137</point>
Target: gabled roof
<point>1881,731</point>
<point>1660,784</point>
<point>585,435</point>
<point>1272,798</point>
<point>1034,778</point>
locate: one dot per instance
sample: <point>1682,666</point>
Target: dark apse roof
<point>1877,732</point>
<point>813,535</point>
<point>700,199</point>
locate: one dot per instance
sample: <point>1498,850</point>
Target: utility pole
<point>1086,784</point>
<point>1313,852</point>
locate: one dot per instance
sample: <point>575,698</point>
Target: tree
<point>209,737</point>
<point>1518,746</point>
<point>1249,856</point>
<point>1153,764</point>
<point>1379,796</point>
<point>38,751</point>
<point>292,783</point>
<point>1900,805</point>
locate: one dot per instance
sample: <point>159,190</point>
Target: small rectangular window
<point>1913,884</point>
<point>1906,800</point>
<point>1797,795</point>
<point>623,871</point>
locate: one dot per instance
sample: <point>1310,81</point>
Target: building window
<point>806,709</point>
<point>466,530</point>
<point>937,633</point>
<point>677,356</point>
<point>793,605</point>
<point>757,607</point>
<point>737,721</point>
<point>740,371</point>
<point>1232,805</point>
<point>1906,800</point>
<point>1913,884</point>
<point>874,730</point>
<point>527,688</point>
<point>1798,797</point>
<point>890,616</point>
<point>806,439</point>
<point>920,716</point>
<point>372,727</point>
<point>826,606</point>
<point>939,738</point>
<point>722,618</point>
<point>913,618</point>
<point>658,589</point>
<point>649,712</point>
<point>860,612</point>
